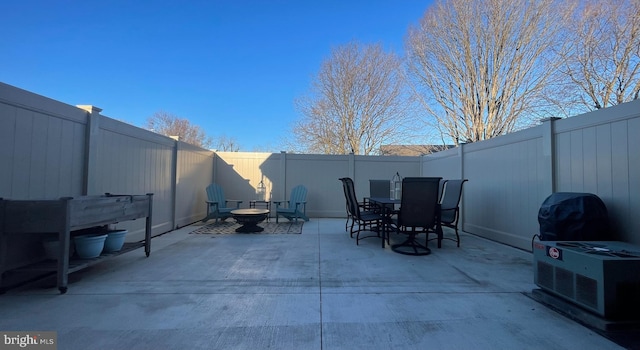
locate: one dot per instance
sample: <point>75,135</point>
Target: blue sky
<point>234,68</point>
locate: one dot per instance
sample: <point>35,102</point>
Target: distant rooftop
<point>411,150</point>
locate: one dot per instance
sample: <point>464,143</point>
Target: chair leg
<point>208,214</point>
<point>411,246</point>
<point>353,222</point>
<point>457,236</point>
<point>346,224</point>
<point>361,226</point>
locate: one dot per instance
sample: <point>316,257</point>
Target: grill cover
<point>571,216</point>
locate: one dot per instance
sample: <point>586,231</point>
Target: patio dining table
<point>386,205</point>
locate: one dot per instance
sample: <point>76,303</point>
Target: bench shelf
<point>64,216</point>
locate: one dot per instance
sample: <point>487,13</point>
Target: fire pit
<point>249,218</point>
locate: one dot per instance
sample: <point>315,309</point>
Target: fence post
<point>283,175</point>
<point>175,175</point>
<point>549,153</point>
<point>461,213</point>
<point>92,132</point>
<point>461,156</point>
<point>351,166</point>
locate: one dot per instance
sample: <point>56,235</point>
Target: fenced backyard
<point>49,149</point>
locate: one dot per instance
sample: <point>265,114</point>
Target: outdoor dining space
<point>411,206</point>
<point>314,290</point>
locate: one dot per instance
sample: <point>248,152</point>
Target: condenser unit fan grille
<point>564,282</point>
<point>545,275</point>
<point>587,291</point>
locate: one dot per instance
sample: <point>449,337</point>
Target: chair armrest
<point>210,203</point>
<point>277,203</point>
<point>236,201</point>
<point>366,204</point>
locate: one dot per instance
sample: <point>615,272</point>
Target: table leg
<point>386,220</point>
<point>384,229</point>
<point>440,234</point>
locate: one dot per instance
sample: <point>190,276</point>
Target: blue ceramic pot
<point>114,241</point>
<point>89,246</point>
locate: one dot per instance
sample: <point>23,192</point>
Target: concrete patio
<point>317,290</point>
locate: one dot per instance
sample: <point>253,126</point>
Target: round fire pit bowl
<point>249,219</point>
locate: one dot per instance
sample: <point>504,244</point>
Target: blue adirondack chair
<point>217,204</point>
<point>296,206</point>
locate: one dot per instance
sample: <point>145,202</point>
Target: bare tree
<point>603,62</point>
<point>410,150</point>
<point>357,102</point>
<point>171,125</point>
<point>482,66</point>
<point>226,144</point>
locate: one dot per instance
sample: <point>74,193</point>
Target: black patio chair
<point>364,218</point>
<point>450,208</point>
<point>419,213</point>
<point>377,188</point>
<point>363,205</point>
<point>441,189</point>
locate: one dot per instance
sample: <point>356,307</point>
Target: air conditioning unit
<point>600,276</point>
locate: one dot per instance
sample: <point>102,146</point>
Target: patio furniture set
<point>221,208</point>
<point>426,204</point>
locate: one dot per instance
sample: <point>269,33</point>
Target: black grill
<point>569,216</point>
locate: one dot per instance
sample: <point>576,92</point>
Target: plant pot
<point>114,241</point>
<point>89,246</point>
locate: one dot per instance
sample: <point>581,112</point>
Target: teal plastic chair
<point>296,206</point>
<point>217,204</point>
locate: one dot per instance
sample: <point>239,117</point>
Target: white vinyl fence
<point>240,173</point>
<point>49,149</point>
<point>510,176</point>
